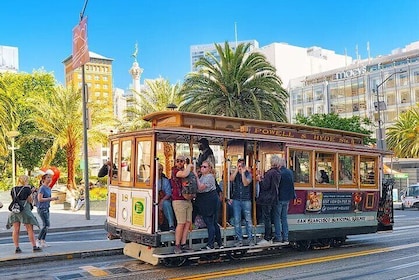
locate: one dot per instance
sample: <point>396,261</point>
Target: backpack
<point>189,186</point>
<point>35,197</point>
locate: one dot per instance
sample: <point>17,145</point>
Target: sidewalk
<point>61,220</point>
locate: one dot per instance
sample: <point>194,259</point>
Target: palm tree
<point>155,97</point>
<point>240,84</point>
<point>403,136</point>
<point>58,116</point>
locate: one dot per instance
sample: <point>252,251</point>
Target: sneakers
<point>264,242</point>
<point>238,243</point>
<point>276,240</point>
<point>177,250</point>
<point>38,243</point>
<point>285,242</point>
<point>18,250</point>
<point>43,244</point>
<point>36,249</point>
<point>207,248</point>
<point>172,229</point>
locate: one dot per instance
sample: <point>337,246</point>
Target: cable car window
<point>143,161</point>
<point>299,162</point>
<point>346,169</point>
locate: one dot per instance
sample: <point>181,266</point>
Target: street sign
<point>80,49</point>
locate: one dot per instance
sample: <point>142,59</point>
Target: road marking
<point>247,270</point>
<point>94,271</point>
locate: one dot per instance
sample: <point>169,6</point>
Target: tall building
<point>292,61</point>
<point>198,51</point>
<point>352,91</point>
<point>9,59</point>
<point>98,77</point>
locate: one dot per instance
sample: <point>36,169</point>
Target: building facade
<point>351,90</point>
<point>98,77</point>
<point>9,59</point>
<point>198,51</point>
<point>292,61</point>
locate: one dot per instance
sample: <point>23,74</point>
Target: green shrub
<point>98,193</point>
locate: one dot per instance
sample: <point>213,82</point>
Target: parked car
<point>410,199</point>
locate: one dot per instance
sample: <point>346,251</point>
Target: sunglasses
<point>204,166</point>
<point>179,160</point>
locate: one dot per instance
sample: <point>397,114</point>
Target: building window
<point>96,77</point>
<point>105,78</point>
<point>105,86</point>
<point>88,77</point>
<point>309,111</point>
<point>416,76</point>
<point>97,93</point>
<point>97,85</point>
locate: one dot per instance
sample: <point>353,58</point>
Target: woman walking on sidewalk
<point>44,199</point>
<point>23,193</point>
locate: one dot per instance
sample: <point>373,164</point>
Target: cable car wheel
<point>236,254</point>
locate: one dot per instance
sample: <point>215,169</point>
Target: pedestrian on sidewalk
<point>23,193</point>
<point>44,199</point>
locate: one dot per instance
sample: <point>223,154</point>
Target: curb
<point>23,232</point>
<point>61,256</point>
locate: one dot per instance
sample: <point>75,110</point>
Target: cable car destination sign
<point>287,133</point>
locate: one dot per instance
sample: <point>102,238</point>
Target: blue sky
<point>165,30</point>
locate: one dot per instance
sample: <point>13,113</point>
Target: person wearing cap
<point>165,195</point>
<point>241,180</point>
<point>181,206</point>
<point>205,153</point>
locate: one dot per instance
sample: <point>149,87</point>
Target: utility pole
<point>85,127</point>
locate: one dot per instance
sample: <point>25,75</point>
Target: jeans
<point>44,215</point>
<point>245,207</point>
<point>269,213</point>
<point>282,207</point>
<point>214,233</point>
<point>168,212</point>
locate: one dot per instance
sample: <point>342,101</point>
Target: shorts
<point>183,211</point>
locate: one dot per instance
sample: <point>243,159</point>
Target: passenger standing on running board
<point>286,193</point>
<point>242,201</point>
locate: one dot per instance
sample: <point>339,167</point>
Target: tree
<point>155,97</point>
<point>332,120</point>
<point>59,118</point>
<point>403,136</point>
<point>15,112</point>
<point>241,84</point>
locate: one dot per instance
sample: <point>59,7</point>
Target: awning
<point>388,170</point>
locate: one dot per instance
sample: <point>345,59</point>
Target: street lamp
<point>12,135</point>
<point>380,105</point>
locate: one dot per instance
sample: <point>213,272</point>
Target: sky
<point>165,30</point>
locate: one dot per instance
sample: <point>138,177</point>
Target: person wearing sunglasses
<point>207,203</point>
<point>241,180</point>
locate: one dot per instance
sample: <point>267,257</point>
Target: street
<point>392,255</point>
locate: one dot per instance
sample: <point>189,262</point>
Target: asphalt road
<point>381,256</point>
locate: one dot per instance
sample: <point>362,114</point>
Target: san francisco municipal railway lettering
<point>330,220</point>
<point>310,136</point>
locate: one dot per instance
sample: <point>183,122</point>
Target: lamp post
<point>381,106</point>
<point>12,135</point>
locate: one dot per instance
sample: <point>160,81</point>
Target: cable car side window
<point>299,162</point>
<point>143,161</point>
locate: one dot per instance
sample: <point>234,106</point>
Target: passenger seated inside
<point>324,178</point>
